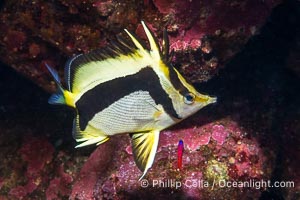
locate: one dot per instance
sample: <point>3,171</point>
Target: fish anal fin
<point>97,140</point>
<point>144,146</point>
<point>88,136</point>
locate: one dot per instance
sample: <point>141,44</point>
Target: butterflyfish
<point>127,88</point>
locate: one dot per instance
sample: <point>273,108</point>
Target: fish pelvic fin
<point>144,146</point>
<point>89,136</point>
<point>61,97</point>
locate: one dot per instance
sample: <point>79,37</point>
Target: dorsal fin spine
<point>155,51</point>
<point>135,41</point>
<point>165,45</point>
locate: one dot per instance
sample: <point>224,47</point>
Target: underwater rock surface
<point>204,34</point>
<point>252,133</point>
<point>239,158</point>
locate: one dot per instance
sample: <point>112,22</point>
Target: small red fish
<point>179,154</point>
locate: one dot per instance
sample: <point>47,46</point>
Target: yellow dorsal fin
<point>155,51</point>
<point>165,46</point>
<point>135,41</point>
<point>119,59</point>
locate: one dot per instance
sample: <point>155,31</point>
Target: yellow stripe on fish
<point>126,88</point>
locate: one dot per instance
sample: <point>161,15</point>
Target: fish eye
<point>189,98</point>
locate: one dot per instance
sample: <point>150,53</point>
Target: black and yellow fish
<point>126,88</point>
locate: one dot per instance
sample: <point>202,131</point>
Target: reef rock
<point>203,34</point>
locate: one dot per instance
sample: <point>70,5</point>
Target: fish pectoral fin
<point>158,111</point>
<point>89,136</point>
<point>144,146</point>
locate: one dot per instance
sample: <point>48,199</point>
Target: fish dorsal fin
<point>68,68</point>
<point>144,147</point>
<point>154,46</point>
<point>119,59</point>
<point>155,50</point>
<point>165,46</point>
<point>134,39</point>
<point>162,57</point>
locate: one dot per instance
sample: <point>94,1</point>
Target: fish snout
<point>212,100</point>
<point>206,99</point>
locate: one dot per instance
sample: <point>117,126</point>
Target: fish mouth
<point>212,100</point>
<point>206,99</point>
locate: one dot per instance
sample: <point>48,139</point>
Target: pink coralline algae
<point>227,24</point>
<point>37,172</point>
<point>22,191</point>
<point>190,180</point>
<point>195,138</point>
<point>98,164</point>
<point>59,186</point>
<point>64,28</point>
<point>36,162</point>
<point>234,156</point>
<point>219,134</point>
<point>192,138</point>
<point>36,159</point>
<point>183,46</point>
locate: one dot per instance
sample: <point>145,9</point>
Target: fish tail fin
<point>58,97</point>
